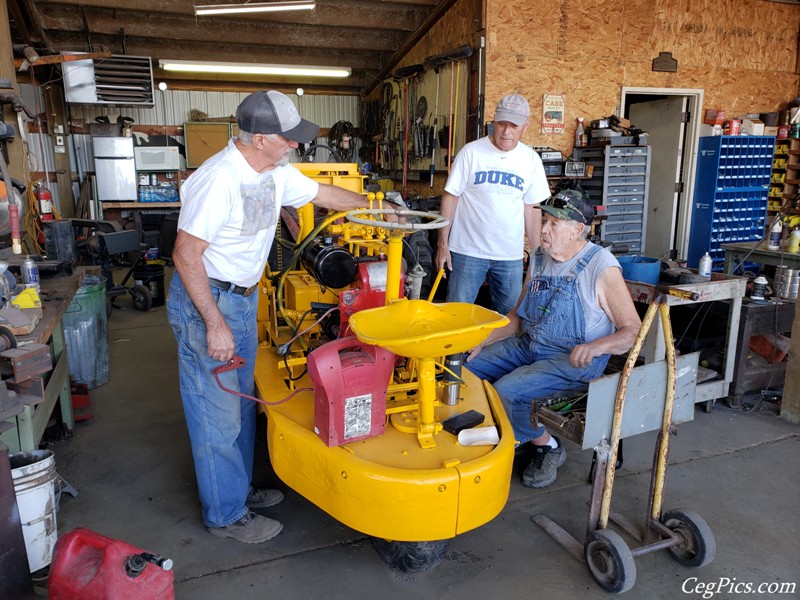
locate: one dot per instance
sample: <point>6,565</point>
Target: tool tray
<point>590,419</point>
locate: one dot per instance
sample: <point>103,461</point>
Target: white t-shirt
<point>235,209</point>
<point>492,187</point>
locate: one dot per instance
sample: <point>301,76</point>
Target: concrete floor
<point>132,467</point>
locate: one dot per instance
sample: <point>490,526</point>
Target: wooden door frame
<point>695,97</point>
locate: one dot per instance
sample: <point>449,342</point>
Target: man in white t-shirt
<point>490,200</point>
<point>229,213</point>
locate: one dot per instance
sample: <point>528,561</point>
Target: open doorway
<point>671,118</point>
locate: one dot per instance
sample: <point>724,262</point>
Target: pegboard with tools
<point>424,109</point>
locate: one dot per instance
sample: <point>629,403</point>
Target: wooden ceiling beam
<point>60,58</point>
<point>187,50</point>
<point>344,14</point>
<point>27,20</point>
<point>247,32</point>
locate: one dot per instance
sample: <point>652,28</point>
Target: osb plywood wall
<point>742,53</point>
<point>457,28</point>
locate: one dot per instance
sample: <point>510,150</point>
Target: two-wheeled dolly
<point>682,532</point>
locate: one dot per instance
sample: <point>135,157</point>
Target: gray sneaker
<point>263,498</point>
<point>542,470</point>
<point>250,529</point>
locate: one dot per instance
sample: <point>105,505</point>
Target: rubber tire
<point>610,561</point>
<point>700,546</point>
<point>142,299</point>
<point>411,557</point>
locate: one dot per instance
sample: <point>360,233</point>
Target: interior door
<point>662,119</point>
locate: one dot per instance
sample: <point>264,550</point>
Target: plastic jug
<point>90,566</point>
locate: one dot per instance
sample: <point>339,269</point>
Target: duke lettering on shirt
<point>500,177</point>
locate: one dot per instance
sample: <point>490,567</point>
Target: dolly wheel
<point>411,557</point>
<point>610,561</point>
<point>699,546</point>
<point>142,299</point>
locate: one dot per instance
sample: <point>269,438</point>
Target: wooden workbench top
<point>56,295</point>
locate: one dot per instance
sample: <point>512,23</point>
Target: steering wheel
<point>435,221</point>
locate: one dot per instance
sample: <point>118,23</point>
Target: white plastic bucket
<point>34,476</point>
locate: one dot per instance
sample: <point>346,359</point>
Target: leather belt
<point>232,287</point>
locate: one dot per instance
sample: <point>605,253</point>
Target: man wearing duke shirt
<point>490,200</point>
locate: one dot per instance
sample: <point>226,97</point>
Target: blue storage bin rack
<point>730,194</point>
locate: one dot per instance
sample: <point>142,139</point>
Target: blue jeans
<point>520,376</point>
<point>503,276</point>
<point>221,426</point>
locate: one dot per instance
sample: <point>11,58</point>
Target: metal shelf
<point>141,205</point>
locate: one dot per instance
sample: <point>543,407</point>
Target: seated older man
<point>574,312</point>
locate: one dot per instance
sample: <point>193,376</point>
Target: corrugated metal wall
<point>171,108</point>
<point>174,108</point>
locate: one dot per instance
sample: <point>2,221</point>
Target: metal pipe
<point>394,262</point>
<point>666,423</point>
<point>435,286</point>
<point>619,403</point>
<point>452,379</point>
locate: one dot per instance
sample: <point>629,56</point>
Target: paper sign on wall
<point>553,113</point>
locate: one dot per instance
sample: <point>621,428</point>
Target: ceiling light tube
<point>252,69</point>
<point>222,9</point>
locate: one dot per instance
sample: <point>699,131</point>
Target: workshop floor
<point>132,467</point>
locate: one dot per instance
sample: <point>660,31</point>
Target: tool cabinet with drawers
<point>730,194</point>
<point>625,181</point>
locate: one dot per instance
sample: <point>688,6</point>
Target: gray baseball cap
<point>512,108</point>
<point>274,112</point>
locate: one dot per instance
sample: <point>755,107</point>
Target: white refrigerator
<point>115,168</point>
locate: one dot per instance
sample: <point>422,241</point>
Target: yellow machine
<point>329,326</point>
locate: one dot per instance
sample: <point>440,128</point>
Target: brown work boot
<point>263,498</point>
<point>250,529</point>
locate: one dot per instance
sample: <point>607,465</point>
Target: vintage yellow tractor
<point>361,376</point>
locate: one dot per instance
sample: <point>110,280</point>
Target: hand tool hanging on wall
<point>437,62</point>
<point>455,115</point>
<point>433,129</point>
<point>448,155</point>
<point>405,146</point>
<point>406,73</point>
<point>420,130</point>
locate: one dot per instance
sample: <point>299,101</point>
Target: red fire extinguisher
<point>45,200</point>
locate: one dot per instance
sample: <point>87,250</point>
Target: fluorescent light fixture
<point>192,66</point>
<point>253,7</point>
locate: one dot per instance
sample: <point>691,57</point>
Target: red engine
<point>369,292</point>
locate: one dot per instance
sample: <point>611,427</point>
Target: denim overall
<point>535,363</point>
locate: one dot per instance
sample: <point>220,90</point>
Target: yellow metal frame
<point>389,486</point>
<point>399,486</point>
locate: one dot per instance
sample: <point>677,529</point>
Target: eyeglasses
<point>565,205</point>
<point>557,202</point>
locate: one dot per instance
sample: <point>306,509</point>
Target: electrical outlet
<point>59,140</point>
<point>58,129</point>
<point>60,150</point>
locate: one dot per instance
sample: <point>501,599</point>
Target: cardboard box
<point>753,127</point>
<point>768,130</point>
<point>714,116</point>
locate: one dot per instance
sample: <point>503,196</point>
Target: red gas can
<point>350,381</point>
<point>90,566</point>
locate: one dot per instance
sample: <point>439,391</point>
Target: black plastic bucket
<point>152,277</point>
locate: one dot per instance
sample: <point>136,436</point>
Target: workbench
<point>28,426</point>
<point>757,252</point>
<point>757,318</point>
<point>720,287</point>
